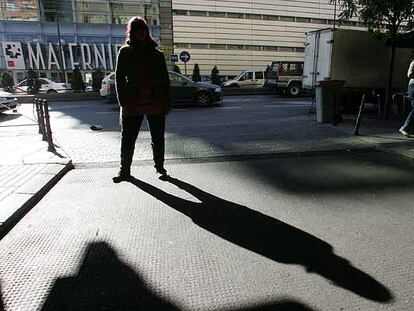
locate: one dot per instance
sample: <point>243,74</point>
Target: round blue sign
<point>185,56</point>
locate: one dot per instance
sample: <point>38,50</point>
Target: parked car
<point>109,79</point>
<point>254,78</point>
<point>46,86</point>
<point>184,90</point>
<point>7,101</point>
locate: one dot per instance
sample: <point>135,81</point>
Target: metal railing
<point>43,120</point>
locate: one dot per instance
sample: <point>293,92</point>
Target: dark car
<point>183,90</point>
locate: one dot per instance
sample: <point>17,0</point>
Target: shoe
<point>402,131</point>
<point>122,176</point>
<point>163,172</point>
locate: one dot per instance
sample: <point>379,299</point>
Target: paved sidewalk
<point>296,234</point>
<point>27,169</point>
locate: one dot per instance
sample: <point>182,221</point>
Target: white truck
<point>356,57</point>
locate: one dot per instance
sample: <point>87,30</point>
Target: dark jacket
<point>129,74</point>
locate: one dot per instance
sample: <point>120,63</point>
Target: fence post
<point>48,127</point>
<point>358,121</point>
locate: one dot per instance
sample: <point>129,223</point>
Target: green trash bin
<point>325,96</point>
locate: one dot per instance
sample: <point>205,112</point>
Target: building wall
<point>99,22</point>
<point>243,34</point>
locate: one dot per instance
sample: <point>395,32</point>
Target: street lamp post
<point>60,48</point>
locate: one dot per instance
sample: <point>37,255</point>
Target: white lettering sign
<point>36,58</point>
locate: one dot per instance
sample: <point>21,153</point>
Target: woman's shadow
<point>268,237</point>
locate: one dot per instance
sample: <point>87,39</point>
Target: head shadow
<point>268,237</point>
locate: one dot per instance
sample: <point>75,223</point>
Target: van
<point>254,78</point>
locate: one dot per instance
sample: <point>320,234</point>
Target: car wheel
<point>294,89</point>
<point>51,92</point>
<point>202,99</point>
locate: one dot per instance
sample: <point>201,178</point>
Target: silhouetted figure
<point>143,89</point>
<point>268,237</point>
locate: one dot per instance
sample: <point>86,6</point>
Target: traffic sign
<point>174,58</point>
<point>185,56</point>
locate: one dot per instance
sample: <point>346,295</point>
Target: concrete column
<point>166,29</point>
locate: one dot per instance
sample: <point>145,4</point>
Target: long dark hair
<point>135,23</point>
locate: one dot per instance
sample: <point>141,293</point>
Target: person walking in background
<point>408,128</point>
<point>143,89</point>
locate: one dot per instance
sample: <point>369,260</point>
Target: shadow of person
<point>268,237</point>
<point>103,282</point>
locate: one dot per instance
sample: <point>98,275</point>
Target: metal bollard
<point>48,127</point>
<point>42,119</point>
<point>358,121</point>
<point>36,103</point>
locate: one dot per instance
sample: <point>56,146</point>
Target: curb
<point>33,199</point>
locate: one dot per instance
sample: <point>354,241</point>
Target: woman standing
<point>143,89</point>
<point>408,128</point>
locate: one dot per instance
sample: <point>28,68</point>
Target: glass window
<point>23,10</point>
<point>253,16</point>
<point>182,12</point>
<point>286,49</point>
<point>56,8</point>
<point>217,14</point>
<point>235,15</point>
<point>23,83</point>
<point>198,13</point>
<point>300,50</point>
<point>91,12</point>
<point>270,48</point>
<point>287,18</point>
<point>43,82</point>
<point>303,20</point>
<point>177,80</point>
<point>259,75</point>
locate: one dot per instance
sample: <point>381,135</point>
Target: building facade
<point>244,34</point>
<point>55,36</point>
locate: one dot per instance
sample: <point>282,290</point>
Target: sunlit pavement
<point>328,231</point>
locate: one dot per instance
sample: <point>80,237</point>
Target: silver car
<point>7,101</point>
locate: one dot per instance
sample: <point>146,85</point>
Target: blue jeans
<point>409,123</point>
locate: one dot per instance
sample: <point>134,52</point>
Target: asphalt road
<point>237,126</point>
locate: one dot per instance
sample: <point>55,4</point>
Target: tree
<point>196,73</point>
<point>388,18</point>
<point>97,76</point>
<point>6,82</point>
<point>215,76</point>
<point>33,83</point>
<point>77,81</point>
<point>176,69</point>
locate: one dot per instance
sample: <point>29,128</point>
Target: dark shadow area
<point>268,237</point>
<point>104,282</point>
<point>340,172</point>
<point>1,298</point>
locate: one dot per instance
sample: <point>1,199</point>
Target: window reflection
<point>92,11</point>
<point>23,10</point>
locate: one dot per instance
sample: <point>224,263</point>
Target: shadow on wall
<point>104,282</point>
<point>269,237</point>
